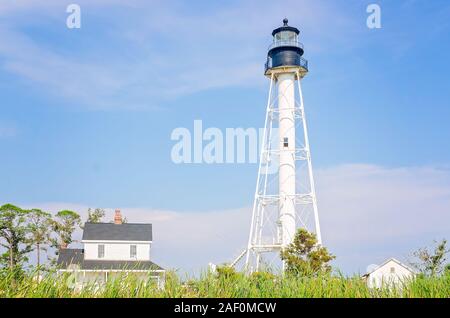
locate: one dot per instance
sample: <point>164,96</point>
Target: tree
<point>64,225</point>
<point>13,231</point>
<point>39,228</point>
<point>124,220</point>
<point>226,272</point>
<point>431,263</point>
<point>305,257</point>
<point>95,216</point>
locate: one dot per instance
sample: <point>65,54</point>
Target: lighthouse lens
<point>286,36</point>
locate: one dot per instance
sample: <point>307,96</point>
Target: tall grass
<point>229,286</point>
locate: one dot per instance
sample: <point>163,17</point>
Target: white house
<point>391,272</point>
<point>112,249</point>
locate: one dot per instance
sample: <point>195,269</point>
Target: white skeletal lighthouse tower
<point>285,198</point>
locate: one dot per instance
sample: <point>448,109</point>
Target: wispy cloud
<point>171,49</point>
<point>368,213</point>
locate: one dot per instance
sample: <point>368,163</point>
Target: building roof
<point>285,27</point>
<point>69,257</point>
<point>117,232</point>
<point>387,261</point>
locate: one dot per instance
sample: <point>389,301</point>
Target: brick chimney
<point>117,217</point>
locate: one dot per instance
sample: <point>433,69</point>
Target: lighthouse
<point>285,198</point>
<point>284,63</point>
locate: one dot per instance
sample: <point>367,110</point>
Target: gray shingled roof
<point>67,256</point>
<point>73,256</point>
<point>117,232</point>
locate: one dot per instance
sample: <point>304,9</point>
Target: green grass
<point>229,286</point>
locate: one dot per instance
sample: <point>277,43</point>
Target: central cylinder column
<point>286,106</point>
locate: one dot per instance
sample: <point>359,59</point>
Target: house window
<point>392,270</point>
<point>101,250</point>
<point>285,142</point>
<point>133,251</point>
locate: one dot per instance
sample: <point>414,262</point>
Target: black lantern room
<point>286,50</point>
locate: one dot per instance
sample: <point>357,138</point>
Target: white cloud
<point>368,213</point>
<point>171,50</point>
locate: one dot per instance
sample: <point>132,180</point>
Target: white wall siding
<point>117,251</point>
<point>389,274</point>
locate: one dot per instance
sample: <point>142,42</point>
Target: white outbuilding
<point>391,272</point>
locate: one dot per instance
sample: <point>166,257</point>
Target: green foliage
<point>22,230</point>
<point>95,216</point>
<point>304,257</point>
<point>64,225</point>
<point>262,276</point>
<point>13,231</point>
<point>259,286</point>
<point>226,272</point>
<point>39,231</point>
<point>262,279</point>
<point>447,269</point>
<point>431,263</point>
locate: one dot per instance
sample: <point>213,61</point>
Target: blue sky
<point>86,114</point>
